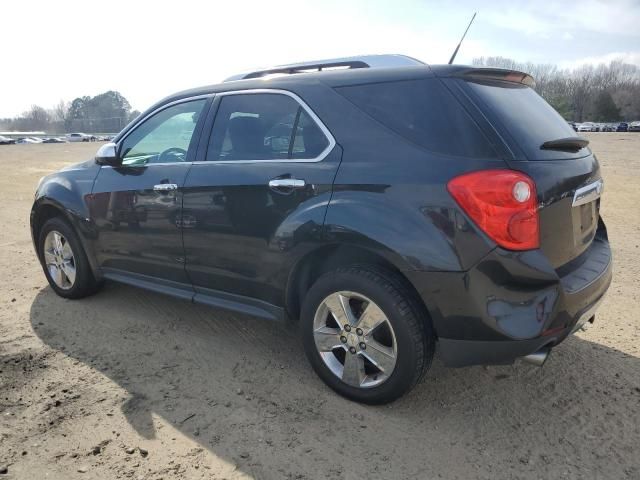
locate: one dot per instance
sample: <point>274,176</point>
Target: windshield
<point>526,117</point>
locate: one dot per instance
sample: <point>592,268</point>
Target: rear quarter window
<point>423,112</point>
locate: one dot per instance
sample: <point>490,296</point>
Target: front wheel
<point>365,334</point>
<point>64,261</point>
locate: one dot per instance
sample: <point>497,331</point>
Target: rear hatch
<point>545,147</point>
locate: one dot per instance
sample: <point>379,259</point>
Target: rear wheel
<point>64,261</point>
<point>365,334</point>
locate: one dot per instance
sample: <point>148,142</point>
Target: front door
<point>257,202</point>
<point>137,206</point>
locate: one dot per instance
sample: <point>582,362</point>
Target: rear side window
<point>424,112</point>
<point>527,117</point>
<point>264,127</point>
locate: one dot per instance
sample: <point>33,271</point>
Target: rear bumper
<point>512,304</point>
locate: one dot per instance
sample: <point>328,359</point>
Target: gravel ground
<point>130,384</point>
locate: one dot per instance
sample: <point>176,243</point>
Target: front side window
<point>164,137</point>
<point>265,126</point>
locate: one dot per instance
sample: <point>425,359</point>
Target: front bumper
<point>512,304</point>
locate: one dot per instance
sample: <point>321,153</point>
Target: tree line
<point>107,112</point>
<point>602,93</point>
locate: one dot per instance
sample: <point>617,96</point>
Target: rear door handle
<point>286,183</point>
<point>165,187</point>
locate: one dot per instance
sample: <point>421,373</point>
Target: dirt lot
<point>132,384</point>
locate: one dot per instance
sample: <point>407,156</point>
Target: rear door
<point>257,200</point>
<point>568,179</point>
<point>137,206</point>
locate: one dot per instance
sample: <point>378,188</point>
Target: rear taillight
<point>502,203</point>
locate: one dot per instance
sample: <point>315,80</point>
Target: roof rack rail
<point>365,61</point>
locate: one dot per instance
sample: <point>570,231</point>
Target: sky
<point>149,49</point>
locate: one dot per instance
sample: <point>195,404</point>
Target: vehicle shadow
<point>241,388</point>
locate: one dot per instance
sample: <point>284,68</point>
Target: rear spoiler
<point>499,74</point>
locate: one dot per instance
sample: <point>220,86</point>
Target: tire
<point>406,332</point>
<point>84,283</point>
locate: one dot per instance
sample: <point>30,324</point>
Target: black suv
<point>386,204</point>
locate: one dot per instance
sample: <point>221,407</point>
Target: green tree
<point>562,106</point>
<point>78,108</point>
<point>106,112</point>
<point>605,109</point>
<point>133,115</point>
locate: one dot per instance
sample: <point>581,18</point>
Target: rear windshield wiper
<point>570,144</point>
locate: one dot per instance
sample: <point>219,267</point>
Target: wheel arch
<point>40,214</point>
<point>45,209</point>
<point>330,257</point>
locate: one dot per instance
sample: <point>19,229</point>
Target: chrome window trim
<point>302,103</point>
<point>148,165</point>
<point>311,113</point>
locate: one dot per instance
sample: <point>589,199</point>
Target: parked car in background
<point>78,137</point>
<point>634,127</point>
<point>54,140</point>
<point>586,127</point>
<point>573,125</point>
<point>622,127</point>
<point>6,140</point>
<point>28,140</point>
<point>277,198</point>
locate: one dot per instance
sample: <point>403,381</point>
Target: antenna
<point>455,52</point>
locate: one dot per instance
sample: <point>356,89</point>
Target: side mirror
<point>107,155</point>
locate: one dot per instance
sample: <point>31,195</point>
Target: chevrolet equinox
<point>388,205</point>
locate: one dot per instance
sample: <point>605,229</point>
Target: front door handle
<point>286,183</point>
<point>165,187</point>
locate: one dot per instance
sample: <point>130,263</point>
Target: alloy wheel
<point>59,260</point>
<point>355,339</point>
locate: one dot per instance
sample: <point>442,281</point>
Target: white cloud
<point>627,57</point>
<point>567,36</point>
<point>543,17</point>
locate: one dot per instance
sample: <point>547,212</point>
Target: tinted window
<point>529,119</point>
<point>309,141</point>
<point>424,112</point>
<point>164,137</point>
<point>261,127</point>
